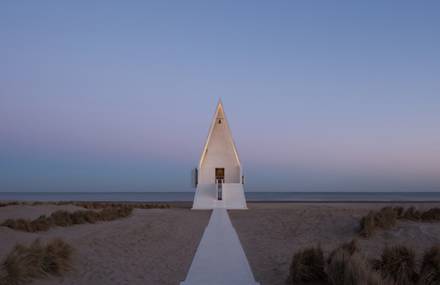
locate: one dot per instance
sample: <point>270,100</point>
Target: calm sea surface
<point>250,196</point>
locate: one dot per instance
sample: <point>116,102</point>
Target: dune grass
<point>307,266</point>
<point>430,269</point>
<point>382,219</point>
<point>431,215</point>
<point>398,263</point>
<point>103,205</point>
<point>412,214</point>
<point>65,219</point>
<point>347,266</point>
<point>349,247</point>
<point>5,204</point>
<point>344,266</point>
<point>91,205</point>
<point>26,263</point>
<point>108,212</point>
<point>350,268</point>
<point>387,218</point>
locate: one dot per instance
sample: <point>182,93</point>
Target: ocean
<point>250,196</point>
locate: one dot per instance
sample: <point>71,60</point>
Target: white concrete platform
<point>205,197</point>
<point>220,258</point>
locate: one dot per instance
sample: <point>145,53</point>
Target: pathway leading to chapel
<point>220,258</point>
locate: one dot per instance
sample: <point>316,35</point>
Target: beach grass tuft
<point>431,215</point>
<point>347,266</point>
<point>412,214</point>
<point>382,219</point>
<point>104,205</point>
<point>13,203</point>
<point>349,247</point>
<point>399,211</point>
<point>430,269</point>
<point>367,225</point>
<point>350,268</point>
<point>91,205</point>
<point>398,263</point>
<point>387,217</point>
<point>307,266</point>
<point>26,263</point>
<point>65,219</point>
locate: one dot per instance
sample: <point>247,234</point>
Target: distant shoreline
<point>188,204</point>
<point>179,198</point>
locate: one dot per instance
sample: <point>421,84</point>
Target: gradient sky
<point>320,95</point>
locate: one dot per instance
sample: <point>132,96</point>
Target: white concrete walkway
<point>220,259</point>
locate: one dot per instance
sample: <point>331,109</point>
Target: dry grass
<point>431,215</point>
<point>367,225</point>
<point>399,211</point>
<point>307,267</point>
<point>398,264</point>
<point>103,205</point>
<point>345,268</point>
<point>25,263</point>
<point>387,217</point>
<point>349,247</point>
<point>412,214</point>
<point>382,219</point>
<point>91,205</point>
<point>4,204</point>
<point>109,212</point>
<point>65,219</point>
<point>430,269</point>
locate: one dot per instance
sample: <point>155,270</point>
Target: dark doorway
<point>220,175</point>
<point>219,180</point>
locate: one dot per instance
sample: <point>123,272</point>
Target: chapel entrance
<point>219,180</point>
<point>220,175</point>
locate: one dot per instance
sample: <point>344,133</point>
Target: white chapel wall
<point>220,154</point>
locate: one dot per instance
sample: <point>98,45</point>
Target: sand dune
<point>156,246</point>
<point>25,211</point>
<point>271,233</point>
<point>153,246</point>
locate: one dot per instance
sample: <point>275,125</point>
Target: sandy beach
<point>271,232</point>
<point>156,246</point>
<point>152,246</point>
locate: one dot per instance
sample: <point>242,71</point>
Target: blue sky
<point>320,95</point>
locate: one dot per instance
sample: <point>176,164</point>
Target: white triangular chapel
<point>219,176</point>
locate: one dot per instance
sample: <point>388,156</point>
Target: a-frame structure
<point>219,174</point>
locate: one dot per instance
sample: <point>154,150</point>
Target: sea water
<point>250,196</point>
